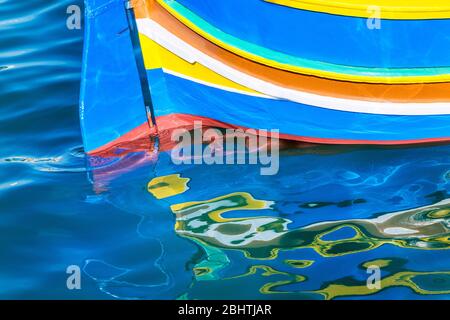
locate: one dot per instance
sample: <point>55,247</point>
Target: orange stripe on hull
<point>433,92</point>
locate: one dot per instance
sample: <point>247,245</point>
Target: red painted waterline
<point>166,124</point>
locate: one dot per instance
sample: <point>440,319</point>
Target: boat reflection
<point>310,232</point>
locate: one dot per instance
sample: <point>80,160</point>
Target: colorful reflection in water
<point>310,232</point>
<point>149,229</point>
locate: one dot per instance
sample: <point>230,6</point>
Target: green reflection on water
<point>262,237</point>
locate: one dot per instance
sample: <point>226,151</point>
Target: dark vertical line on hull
<point>145,87</point>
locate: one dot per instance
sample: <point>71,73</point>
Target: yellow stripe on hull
<point>388,9</point>
<point>156,56</point>
<point>440,78</point>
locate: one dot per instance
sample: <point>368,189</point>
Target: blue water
<point>309,232</point>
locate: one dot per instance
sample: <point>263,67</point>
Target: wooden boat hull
<point>195,74</point>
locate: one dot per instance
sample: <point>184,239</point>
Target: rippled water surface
<point>140,227</point>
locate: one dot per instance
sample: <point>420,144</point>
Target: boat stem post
<point>139,59</point>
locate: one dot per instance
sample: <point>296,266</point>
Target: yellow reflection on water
<point>167,186</point>
<point>261,237</point>
<point>424,283</point>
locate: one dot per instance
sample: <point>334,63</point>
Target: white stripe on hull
<point>185,51</point>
